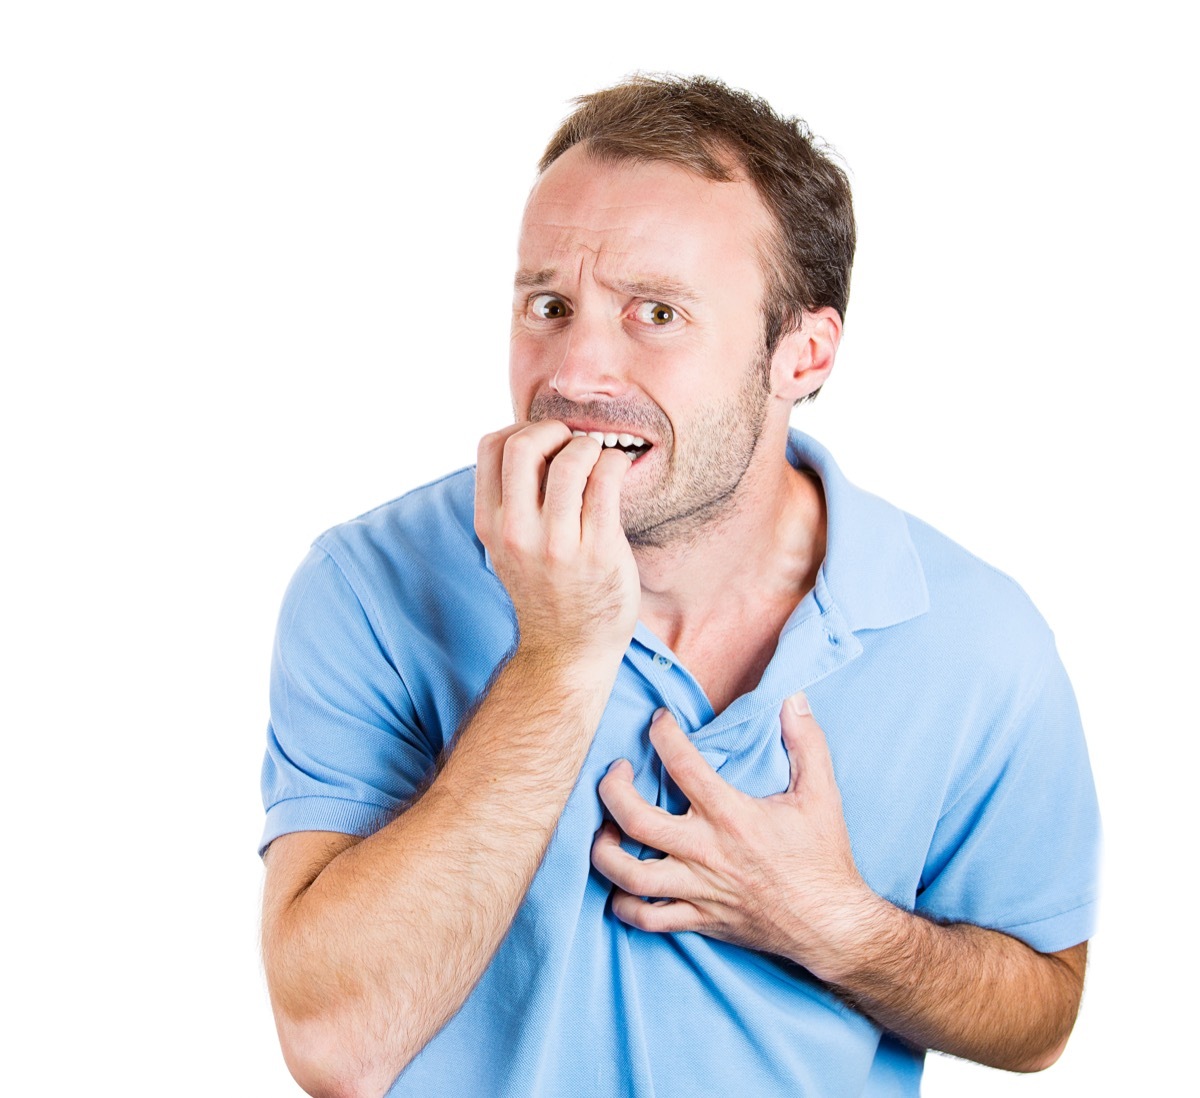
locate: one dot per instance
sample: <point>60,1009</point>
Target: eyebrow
<point>654,287</point>
<point>527,279</point>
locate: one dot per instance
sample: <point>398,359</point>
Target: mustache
<point>628,413</point>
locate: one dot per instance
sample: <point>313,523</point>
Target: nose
<point>590,368</point>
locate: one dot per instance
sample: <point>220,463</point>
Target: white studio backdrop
<point>255,266</point>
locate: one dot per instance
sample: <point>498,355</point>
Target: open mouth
<point>630,445</point>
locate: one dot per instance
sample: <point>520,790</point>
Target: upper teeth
<point>610,438</point>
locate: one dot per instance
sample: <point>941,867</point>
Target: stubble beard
<point>699,485</point>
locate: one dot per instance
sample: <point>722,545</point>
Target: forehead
<point>641,220</point>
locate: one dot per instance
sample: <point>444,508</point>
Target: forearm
<point>961,989</point>
<point>372,958</point>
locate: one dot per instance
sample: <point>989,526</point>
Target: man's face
<point>637,312</point>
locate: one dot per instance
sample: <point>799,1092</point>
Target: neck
<point>747,569</point>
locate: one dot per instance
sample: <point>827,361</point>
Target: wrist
<point>859,932</point>
<point>581,677</point>
<point>582,662</point>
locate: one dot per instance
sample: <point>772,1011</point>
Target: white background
<point>254,279</point>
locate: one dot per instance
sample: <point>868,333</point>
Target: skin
<point>637,309</point>
<point>592,346</point>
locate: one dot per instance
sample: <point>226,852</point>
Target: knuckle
<point>518,445</point>
<point>579,451</point>
<point>640,915</point>
<point>514,537</point>
<point>642,877</point>
<point>568,472</point>
<point>635,826</point>
<point>633,811</point>
<point>664,917</point>
<point>559,549</point>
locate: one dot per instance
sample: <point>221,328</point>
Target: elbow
<point>1042,1061</point>
<point>1054,1043</point>
<point>327,1064</point>
<point>326,1038</point>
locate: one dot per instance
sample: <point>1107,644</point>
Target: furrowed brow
<point>657,288</point>
<point>653,287</point>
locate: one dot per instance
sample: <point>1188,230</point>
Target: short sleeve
<point>1017,848</point>
<point>344,747</point>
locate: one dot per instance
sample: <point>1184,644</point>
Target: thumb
<point>808,752</point>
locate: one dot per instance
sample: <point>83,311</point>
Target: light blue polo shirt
<point>955,739</point>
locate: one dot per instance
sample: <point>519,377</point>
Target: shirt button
<point>831,638</point>
<point>661,660</point>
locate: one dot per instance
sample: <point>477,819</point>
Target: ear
<point>803,359</point>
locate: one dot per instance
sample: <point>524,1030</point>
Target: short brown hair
<point>702,125</point>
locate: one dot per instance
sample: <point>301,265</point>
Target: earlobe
<point>803,359</point>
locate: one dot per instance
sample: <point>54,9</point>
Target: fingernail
<point>660,711</point>
<point>798,704</point>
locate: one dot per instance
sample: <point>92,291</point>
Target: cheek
<point>526,371</point>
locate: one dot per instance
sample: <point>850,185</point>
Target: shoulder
<point>982,632</point>
<point>966,591</point>
<point>412,563</point>
<point>434,522</point>
<point>419,545</point>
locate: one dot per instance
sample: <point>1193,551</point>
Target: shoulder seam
<point>998,572</point>
<point>404,495</point>
<point>371,613</point>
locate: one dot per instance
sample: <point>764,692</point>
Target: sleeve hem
<point>1058,931</point>
<point>322,814</point>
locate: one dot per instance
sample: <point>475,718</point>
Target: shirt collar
<point>871,570</point>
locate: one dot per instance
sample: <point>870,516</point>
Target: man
<point>549,808</point>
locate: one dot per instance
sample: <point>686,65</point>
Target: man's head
<point>654,298</point>
<point>717,132</point>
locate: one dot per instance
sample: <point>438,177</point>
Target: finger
<point>656,916</point>
<point>527,453</point>
<point>690,770</point>
<point>565,482</point>
<point>641,821</point>
<point>664,877</point>
<point>808,753</point>
<point>487,474</point>
<point>602,496</point>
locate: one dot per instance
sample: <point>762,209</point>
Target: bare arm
<point>974,993</point>
<point>776,874</point>
<point>371,946</point>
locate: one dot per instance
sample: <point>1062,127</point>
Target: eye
<point>548,307</point>
<point>655,312</point>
